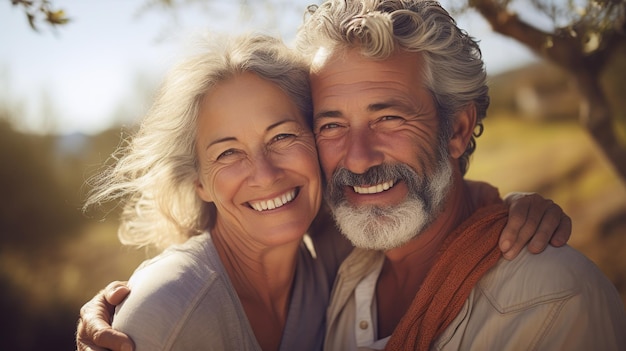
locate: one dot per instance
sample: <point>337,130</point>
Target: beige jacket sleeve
<point>557,300</point>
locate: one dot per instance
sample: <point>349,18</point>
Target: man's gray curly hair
<point>454,71</point>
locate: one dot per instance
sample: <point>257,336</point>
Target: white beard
<point>376,228</point>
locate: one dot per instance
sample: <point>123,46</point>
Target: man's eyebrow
<point>379,106</point>
<point>327,114</point>
<point>394,104</point>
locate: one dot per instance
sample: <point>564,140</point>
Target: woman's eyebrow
<point>221,140</point>
<point>281,122</point>
<point>230,138</point>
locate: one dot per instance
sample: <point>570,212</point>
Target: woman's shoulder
<point>166,290</point>
<point>196,252</point>
<point>183,268</point>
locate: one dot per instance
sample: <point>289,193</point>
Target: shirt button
<point>363,325</point>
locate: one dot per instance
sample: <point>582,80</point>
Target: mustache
<point>374,175</point>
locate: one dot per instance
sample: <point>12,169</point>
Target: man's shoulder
<point>531,279</point>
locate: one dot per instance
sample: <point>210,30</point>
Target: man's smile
<point>374,189</point>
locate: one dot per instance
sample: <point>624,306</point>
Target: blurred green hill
<point>53,257</point>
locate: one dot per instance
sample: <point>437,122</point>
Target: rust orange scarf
<point>467,254</point>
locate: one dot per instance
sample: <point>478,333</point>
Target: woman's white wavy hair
<point>454,72</point>
<point>156,170</point>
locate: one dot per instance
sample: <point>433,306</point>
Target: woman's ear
<point>462,129</point>
<point>202,191</point>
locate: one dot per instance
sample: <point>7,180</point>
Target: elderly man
<point>398,91</point>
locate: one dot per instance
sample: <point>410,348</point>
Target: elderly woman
<point>227,149</point>
<point>225,167</point>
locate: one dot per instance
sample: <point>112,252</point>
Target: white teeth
<point>274,203</point>
<point>374,189</point>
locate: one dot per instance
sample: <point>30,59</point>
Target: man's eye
<point>391,118</point>
<point>330,130</point>
<point>387,122</point>
<point>329,126</point>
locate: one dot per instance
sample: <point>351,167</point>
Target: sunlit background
<point>67,94</point>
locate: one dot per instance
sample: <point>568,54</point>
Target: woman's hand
<point>535,222</point>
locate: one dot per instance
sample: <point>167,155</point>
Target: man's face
<point>376,130</point>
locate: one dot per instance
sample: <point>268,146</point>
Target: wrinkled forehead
<point>345,67</point>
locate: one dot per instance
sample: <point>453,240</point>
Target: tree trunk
<point>567,52</point>
<point>596,116</point>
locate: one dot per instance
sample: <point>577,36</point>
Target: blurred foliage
<point>46,268</point>
<point>37,217</point>
<point>38,11</point>
<point>36,200</point>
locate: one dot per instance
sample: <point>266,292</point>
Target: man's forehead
<point>320,58</point>
<point>349,69</point>
<point>326,58</point>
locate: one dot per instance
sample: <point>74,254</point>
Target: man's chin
<point>378,228</point>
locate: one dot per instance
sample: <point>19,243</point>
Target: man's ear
<point>462,129</point>
<point>202,191</point>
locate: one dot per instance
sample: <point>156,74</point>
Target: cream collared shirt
<point>556,300</point>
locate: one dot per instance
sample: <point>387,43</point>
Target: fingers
<point>82,344</point>
<point>94,332</point>
<point>90,337</point>
<point>548,219</point>
<point>535,221</point>
<point>116,292</point>
<point>563,232</point>
<point>510,234</point>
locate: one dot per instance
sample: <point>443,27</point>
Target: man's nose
<point>362,151</point>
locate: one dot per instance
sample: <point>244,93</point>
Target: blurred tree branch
<point>38,11</point>
<point>583,39</point>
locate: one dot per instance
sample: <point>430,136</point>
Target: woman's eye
<point>226,153</point>
<point>282,136</point>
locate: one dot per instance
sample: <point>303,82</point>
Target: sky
<point>87,71</point>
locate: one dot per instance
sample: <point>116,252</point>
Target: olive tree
<point>585,38</point>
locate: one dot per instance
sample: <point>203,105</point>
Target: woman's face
<point>258,162</point>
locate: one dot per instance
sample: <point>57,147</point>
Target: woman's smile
<point>274,203</point>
